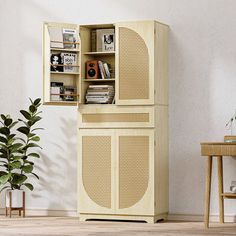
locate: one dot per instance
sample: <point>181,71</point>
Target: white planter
<point>17,198</point>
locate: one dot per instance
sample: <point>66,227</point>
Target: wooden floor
<point>69,226</point>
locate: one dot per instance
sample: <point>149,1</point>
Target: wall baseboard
<point>188,217</point>
<point>45,212</point>
<point>172,217</point>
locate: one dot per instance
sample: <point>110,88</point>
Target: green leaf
<point>32,108</point>
<point>18,179</point>
<point>30,123</point>
<point>24,130</point>
<point>31,145</point>
<point>3,140</point>
<point>3,173</point>
<point>11,136</point>
<point>33,154</point>
<point>30,162</point>
<point>16,146</point>
<point>36,119</point>
<point>3,151</point>
<point>4,178</point>
<point>26,114</point>
<point>16,165</point>
<point>35,138</point>
<point>3,117</point>
<point>37,101</point>
<point>21,140</point>
<point>31,135</point>
<point>24,157</point>
<point>29,186</point>
<point>5,130</point>
<point>16,158</point>
<point>13,124</point>
<point>8,121</point>
<point>27,169</point>
<point>31,101</point>
<point>37,129</point>
<point>38,113</point>
<point>3,155</point>
<point>3,162</point>
<point>26,123</point>
<point>35,175</point>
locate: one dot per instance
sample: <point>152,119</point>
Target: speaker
<point>92,70</point>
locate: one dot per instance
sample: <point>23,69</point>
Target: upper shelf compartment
<point>98,50</point>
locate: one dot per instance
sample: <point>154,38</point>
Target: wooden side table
<point>10,209</point>
<point>217,150</point>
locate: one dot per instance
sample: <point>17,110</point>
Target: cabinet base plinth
<point>148,219</point>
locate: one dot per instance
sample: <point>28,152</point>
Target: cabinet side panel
<point>161,64</point>
<point>46,64</point>
<point>133,169</point>
<point>133,66</point>
<point>96,168</point>
<point>161,160</point>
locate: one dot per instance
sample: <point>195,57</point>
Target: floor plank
<point>70,226</point>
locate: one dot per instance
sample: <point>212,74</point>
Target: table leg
<point>208,190</point>
<point>23,204</point>
<point>220,187</point>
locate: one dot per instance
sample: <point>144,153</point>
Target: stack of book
<point>99,94</point>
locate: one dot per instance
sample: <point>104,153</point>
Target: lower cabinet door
<point>135,172</point>
<point>96,167</point>
<point>116,171</point>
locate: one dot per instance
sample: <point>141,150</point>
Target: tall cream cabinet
<point>123,146</point>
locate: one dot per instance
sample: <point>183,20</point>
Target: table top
<point>218,149</point>
<point>219,143</point>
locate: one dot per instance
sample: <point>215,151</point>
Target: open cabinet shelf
<point>97,80</point>
<point>61,63</point>
<point>99,53</point>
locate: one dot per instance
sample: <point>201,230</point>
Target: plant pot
<point>16,198</point>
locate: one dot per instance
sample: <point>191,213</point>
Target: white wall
<point>202,88</point>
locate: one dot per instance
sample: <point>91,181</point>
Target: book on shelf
<point>69,59</point>
<point>56,38</point>
<point>105,70</point>
<point>99,94</point>
<point>108,70</point>
<point>56,60</point>
<point>105,40</point>
<point>69,37</point>
<point>108,42</point>
<point>69,93</point>
<point>101,69</point>
<point>93,41</point>
<point>56,91</point>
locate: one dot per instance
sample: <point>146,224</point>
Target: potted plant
<point>16,155</point>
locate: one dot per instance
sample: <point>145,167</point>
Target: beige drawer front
<point>116,117</point>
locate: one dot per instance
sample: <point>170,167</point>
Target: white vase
<point>17,198</point>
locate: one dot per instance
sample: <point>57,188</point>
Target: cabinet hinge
<point>154,91</point>
<point>155,143</point>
